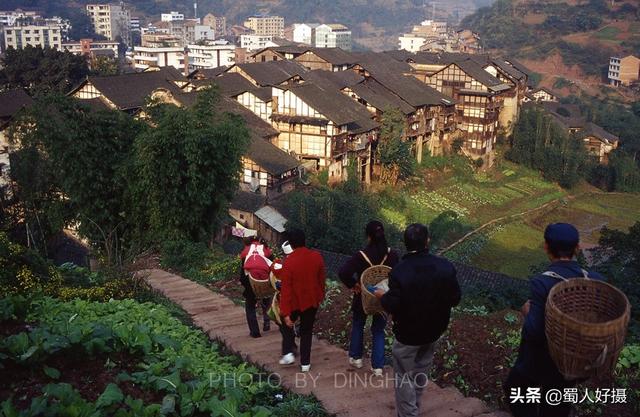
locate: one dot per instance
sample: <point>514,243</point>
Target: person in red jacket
<point>302,291</point>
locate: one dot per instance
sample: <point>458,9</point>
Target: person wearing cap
<point>301,292</point>
<point>255,248</point>
<point>534,369</point>
<point>377,252</point>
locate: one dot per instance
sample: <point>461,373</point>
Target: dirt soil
<point>475,355</point>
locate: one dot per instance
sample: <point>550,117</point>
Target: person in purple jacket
<point>377,252</point>
<point>534,368</point>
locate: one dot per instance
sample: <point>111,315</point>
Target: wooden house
<point>12,102</point>
<point>329,59</point>
<point>324,126</point>
<point>263,74</point>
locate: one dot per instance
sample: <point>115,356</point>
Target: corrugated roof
<point>272,217</point>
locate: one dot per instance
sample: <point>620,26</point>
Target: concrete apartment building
<point>266,25</point>
<point>255,42</point>
<point>333,35</point>
<point>304,32</point>
<point>624,71</point>
<point>159,50</point>
<point>9,18</point>
<point>211,55</point>
<point>420,35</point>
<point>111,21</point>
<point>92,48</point>
<point>217,23</point>
<point>43,35</point>
<point>171,16</point>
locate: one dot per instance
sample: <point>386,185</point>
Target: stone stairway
<point>342,390</point>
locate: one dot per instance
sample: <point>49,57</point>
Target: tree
<point>394,153</point>
<point>104,65</point>
<point>188,167</point>
<point>72,166</point>
<point>41,70</point>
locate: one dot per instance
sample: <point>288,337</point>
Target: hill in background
<point>568,42</point>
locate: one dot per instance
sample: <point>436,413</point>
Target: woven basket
<point>586,323</point>
<point>261,288</point>
<point>372,276</point>
<point>273,280</point>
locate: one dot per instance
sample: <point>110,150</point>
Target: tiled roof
<point>379,97</point>
<point>231,84</point>
<point>272,72</point>
<point>333,79</point>
<point>246,201</point>
<point>335,56</point>
<point>12,101</point>
<point>130,91</point>
<point>335,106</point>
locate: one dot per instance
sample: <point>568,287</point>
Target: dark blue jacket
<point>423,289</point>
<point>533,359</point>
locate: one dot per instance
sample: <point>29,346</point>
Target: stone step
<point>343,390</point>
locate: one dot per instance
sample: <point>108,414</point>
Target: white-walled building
<point>171,16</point>
<point>8,18</point>
<point>91,47</point>
<point>156,57</point>
<point>333,35</point>
<point>255,42</point>
<point>211,55</point>
<point>18,37</point>
<point>111,21</point>
<point>304,32</point>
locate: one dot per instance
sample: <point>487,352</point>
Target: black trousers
<point>307,319</point>
<point>250,309</point>
<point>517,380</point>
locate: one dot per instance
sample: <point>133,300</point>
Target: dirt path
<point>343,391</point>
<point>504,218</point>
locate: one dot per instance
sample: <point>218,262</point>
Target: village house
<point>624,71</point>
<point>325,127</point>
<point>330,59</point>
<point>286,51</point>
<point>11,103</point>
<point>541,94</point>
<point>598,142</point>
<point>269,73</point>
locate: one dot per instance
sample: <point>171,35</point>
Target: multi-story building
<point>266,25</point>
<point>304,32</point>
<point>159,50</point>
<point>217,23</point>
<point>111,21</point>
<point>624,71</point>
<point>333,36</point>
<point>254,42</point>
<point>18,37</point>
<point>171,16</point>
<point>90,47</point>
<point>211,55</point>
<point>9,18</point>
<point>428,31</point>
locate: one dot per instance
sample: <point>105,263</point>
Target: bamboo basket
<point>274,310</point>
<point>273,280</point>
<point>586,323</point>
<point>261,288</point>
<point>373,275</point>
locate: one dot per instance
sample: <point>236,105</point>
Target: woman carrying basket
<point>256,261</point>
<point>534,368</point>
<point>376,252</point>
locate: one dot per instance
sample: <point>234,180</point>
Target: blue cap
<point>563,233</point>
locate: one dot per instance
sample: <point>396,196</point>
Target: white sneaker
<point>287,359</point>
<point>377,371</point>
<point>356,363</point>
<point>305,368</point>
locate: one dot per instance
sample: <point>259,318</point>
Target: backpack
<point>255,259</point>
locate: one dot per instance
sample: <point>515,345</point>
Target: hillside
<point>376,24</point>
<point>568,42</point>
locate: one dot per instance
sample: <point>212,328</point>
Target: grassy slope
<point>514,245</point>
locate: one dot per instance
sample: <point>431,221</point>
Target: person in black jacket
<point>423,289</point>
<point>377,252</point>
